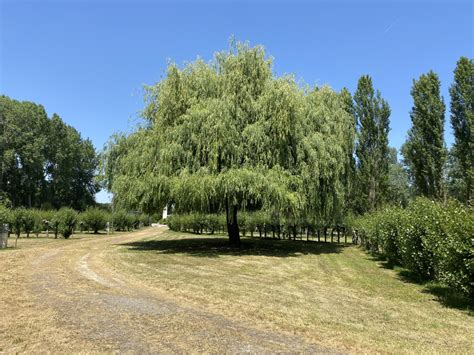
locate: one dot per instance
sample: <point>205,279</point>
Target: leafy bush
<point>38,225</point>
<point>28,221</point>
<point>17,220</point>
<point>5,216</point>
<point>66,219</point>
<point>134,221</point>
<point>51,221</point>
<point>145,220</point>
<point>94,219</point>
<point>432,239</point>
<point>121,220</point>
<point>197,223</point>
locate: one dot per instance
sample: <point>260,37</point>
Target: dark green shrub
<point>432,239</point>
<point>51,222</point>
<point>38,224</point>
<point>17,220</point>
<point>5,216</point>
<point>66,219</point>
<point>94,219</point>
<point>135,221</point>
<point>145,220</point>
<point>121,220</point>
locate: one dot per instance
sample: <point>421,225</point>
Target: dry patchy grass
<point>332,294</point>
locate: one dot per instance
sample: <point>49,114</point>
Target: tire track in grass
<point>114,313</point>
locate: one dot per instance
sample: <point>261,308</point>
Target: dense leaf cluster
<point>432,239</point>
<point>43,161</point>
<point>66,220</point>
<point>230,136</point>
<point>261,223</point>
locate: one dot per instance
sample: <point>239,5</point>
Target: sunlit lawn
<point>331,294</point>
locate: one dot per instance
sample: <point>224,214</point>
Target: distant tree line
<point>228,136</point>
<point>44,163</point>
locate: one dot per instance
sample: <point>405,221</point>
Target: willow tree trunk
<point>232,225</point>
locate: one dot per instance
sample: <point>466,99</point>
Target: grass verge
<point>335,295</point>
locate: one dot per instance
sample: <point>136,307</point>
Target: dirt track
<point>63,296</point>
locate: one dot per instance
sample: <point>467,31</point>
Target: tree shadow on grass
<point>214,247</point>
<point>445,295</point>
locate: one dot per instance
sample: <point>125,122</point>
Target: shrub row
<point>432,239</point>
<point>261,223</point>
<point>66,220</point>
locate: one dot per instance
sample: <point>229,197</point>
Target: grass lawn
<point>335,295</point>
<point>43,239</point>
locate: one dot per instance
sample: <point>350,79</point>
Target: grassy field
<point>335,295</point>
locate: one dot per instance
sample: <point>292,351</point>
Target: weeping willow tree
<point>229,136</point>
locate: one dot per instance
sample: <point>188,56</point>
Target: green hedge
<point>197,223</point>
<point>66,220</point>
<point>434,240</point>
<point>259,223</point>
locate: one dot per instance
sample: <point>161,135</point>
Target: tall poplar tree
<point>350,171</point>
<point>462,121</point>
<point>372,115</point>
<point>424,151</point>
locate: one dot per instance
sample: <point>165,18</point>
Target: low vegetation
<point>262,224</point>
<point>66,220</point>
<point>333,294</point>
<point>433,240</point>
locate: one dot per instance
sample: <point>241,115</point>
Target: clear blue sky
<point>88,60</point>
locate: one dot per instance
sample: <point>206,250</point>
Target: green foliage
<point>432,239</point>
<point>28,221</point>
<point>197,223</point>
<point>17,220</point>
<point>51,221</point>
<point>372,116</point>
<point>462,122</point>
<point>227,136</point>
<point>44,161</point>
<point>145,220</point>
<point>38,224</point>
<point>122,220</point>
<point>66,219</point>
<point>424,151</point>
<point>5,216</point>
<point>94,219</point>
<point>398,191</point>
<point>259,223</point>
<point>71,164</point>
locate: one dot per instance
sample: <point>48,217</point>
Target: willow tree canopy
<point>229,135</point>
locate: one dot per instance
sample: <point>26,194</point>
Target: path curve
<point>107,311</point>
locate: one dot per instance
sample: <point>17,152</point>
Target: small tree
<point>17,221</point>
<point>55,226</point>
<point>38,224</point>
<point>121,220</point>
<point>28,222</point>
<point>145,220</point>
<point>5,216</point>
<point>94,218</point>
<point>47,217</point>
<point>67,219</point>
